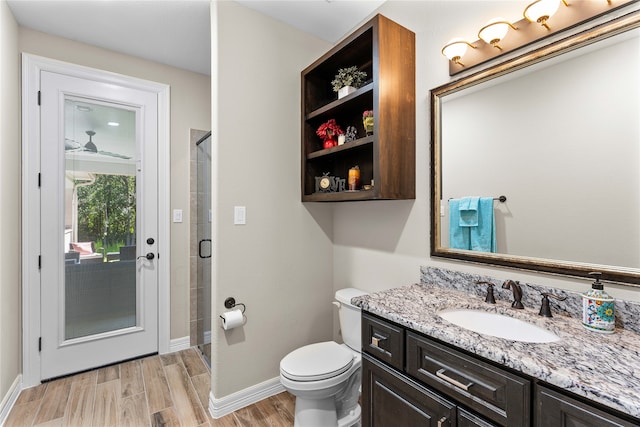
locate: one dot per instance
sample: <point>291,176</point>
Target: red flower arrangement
<point>328,132</point>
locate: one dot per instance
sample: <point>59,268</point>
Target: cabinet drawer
<point>383,340</point>
<point>553,408</point>
<point>498,395</point>
<point>391,399</point>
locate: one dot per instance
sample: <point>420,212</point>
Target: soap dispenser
<point>598,309</point>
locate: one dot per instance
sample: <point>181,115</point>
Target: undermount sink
<point>498,325</point>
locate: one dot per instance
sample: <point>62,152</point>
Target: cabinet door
<point>389,399</point>
<point>467,419</point>
<point>556,409</point>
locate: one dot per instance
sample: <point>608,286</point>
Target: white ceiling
<point>176,32</point>
<point>327,19</point>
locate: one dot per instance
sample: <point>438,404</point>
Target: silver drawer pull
<point>441,421</point>
<point>465,387</point>
<point>376,341</point>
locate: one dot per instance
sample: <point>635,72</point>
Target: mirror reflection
<point>560,139</point>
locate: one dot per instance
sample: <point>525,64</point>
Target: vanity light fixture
<point>455,50</point>
<point>541,10</point>
<point>494,31</point>
<point>491,41</point>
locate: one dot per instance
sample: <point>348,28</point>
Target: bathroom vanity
<point>419,369</point>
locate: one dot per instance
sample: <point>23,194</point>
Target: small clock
<point>324,184</point>
<point>329,184</point>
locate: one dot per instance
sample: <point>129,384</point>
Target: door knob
<point>148,256</point>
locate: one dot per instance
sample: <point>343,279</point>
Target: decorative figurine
<point>352,134</point>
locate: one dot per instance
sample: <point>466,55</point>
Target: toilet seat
<point>316,362</point>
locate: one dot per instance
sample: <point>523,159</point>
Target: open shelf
<point>346,146</point>
<point>386,52</point>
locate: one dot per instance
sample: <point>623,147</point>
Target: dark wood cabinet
<point>392,400</point>
<point>556,409</point>
<point>386,52</point>
<point>391,397</point>
<point>409,379</point>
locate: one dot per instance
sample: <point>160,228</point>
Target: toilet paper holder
<point>231,303</point>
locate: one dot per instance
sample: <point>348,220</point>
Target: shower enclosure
<point>204,247</point>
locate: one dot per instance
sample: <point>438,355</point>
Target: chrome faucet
<point>517,292</point>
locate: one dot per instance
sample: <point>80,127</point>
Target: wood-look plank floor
<point>167,390</point>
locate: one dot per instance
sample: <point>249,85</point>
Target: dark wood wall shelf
<point>333,106</point>
<point>346,146</point>
<point>386,52</point>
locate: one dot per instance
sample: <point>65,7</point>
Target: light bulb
<point>455,50</point>
<point>494,31</point>
<point>541,10</point>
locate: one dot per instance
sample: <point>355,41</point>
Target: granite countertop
<point>601,367</point>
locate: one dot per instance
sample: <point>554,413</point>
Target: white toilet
<point>325,377</point>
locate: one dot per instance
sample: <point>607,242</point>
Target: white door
<point>99,222</point>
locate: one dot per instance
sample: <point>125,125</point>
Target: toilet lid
<point>316,362</point>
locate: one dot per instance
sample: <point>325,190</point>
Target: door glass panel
<point>100,218</point>
<point>204,246</point>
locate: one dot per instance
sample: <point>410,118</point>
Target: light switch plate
<point>177,215</point>
<point>239,215</point>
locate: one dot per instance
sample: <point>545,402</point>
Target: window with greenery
<point>107,212</point>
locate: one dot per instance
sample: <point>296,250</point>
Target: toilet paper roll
<point>232,319</point>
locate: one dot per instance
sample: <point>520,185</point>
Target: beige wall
<point>288,260</point>
<point>10,155</point>
<point>280,263</point>
<point>190,108</point>
<point>391,256</point>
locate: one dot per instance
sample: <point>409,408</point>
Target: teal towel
<point>469,211</point>
<point>459,237</point>
<point>483,237</point>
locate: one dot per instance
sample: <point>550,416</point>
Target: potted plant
<point>348,80</point>
<point>329,131</point>
<point>367,121</point>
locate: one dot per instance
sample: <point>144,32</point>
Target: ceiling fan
<point>90,147</point>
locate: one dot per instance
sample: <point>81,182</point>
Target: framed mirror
<point>557,132</point>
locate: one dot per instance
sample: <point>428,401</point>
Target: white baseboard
<point>10,399</point>
<point>178,344</point>
<point>226,405</point>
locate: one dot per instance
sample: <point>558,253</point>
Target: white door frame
<point>32,65</point>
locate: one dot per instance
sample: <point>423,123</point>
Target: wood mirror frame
<point>611,273</point>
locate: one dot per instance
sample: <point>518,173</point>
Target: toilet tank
<point>350,317</point>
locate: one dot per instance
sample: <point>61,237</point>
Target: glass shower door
<point>204,218</point>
